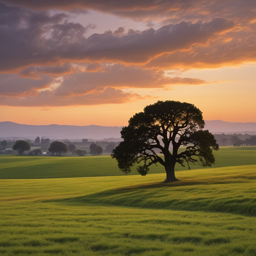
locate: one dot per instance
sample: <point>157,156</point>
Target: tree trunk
<point>170,174</point>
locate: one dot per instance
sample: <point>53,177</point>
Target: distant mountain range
<point>54,131</point>
<point>218,126</point>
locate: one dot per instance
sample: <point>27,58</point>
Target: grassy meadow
<point>61,206</point>
<point>38,167</point>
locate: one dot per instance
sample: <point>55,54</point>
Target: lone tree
<point>21,146</point>
<point>161,127</point>
<point>236,141</point>
<point>37,140</point>
<point>4,143</point>
<point>80,152</point>
<point>110,147</point>
<point>57,147</point>
<point>95,149</point>
<point>36,152</point>
<point>71,148</point>
<point>224,141</point>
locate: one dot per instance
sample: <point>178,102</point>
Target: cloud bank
<point>46,59</point>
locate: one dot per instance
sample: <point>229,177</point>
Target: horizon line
<point>216,120</point>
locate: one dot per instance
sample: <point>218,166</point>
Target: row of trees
<point>10,143</point>
<point>247,142</point>
<point>56,148</point>
<point>235,139</point>
<point>85,142</point>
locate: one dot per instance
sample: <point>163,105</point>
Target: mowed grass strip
<point>130,215</point>
<point>34,167</point>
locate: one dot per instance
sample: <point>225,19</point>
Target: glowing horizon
<point>99,63</point>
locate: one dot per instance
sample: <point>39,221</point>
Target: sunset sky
<point>84,62</point>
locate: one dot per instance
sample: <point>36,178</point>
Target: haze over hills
<point>53,131</point>
<point>218,126</point>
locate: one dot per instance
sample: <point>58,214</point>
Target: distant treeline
<point>235,139</point>
<point>82,147</point>
<point>85,145</point>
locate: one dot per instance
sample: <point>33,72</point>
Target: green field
<point>209,212</point>
<point>34,167</point>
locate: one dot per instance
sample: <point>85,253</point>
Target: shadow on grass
<point>191,195</point>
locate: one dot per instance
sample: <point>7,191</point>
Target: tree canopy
<point>36,152</point>
<point>80,152</point>
<point>110,147</point>
<point>156,134</point>
<point>4,143</point>
<point>58,147</point>
<point>95,149</point>
<point>21,146</point>
<point>71,147</point>
<point>37,140</point>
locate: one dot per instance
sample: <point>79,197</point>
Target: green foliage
<point>80,152</point>
<point>110,147</point>
<point>36,152</point>
<point>21,146</point>
<point>37,140</point>
<point>96,149</point>
<point>71,147</point>
<point>161,125</point>
<point>58,147</point>
<point>4,143</point>
<point>203,143</point>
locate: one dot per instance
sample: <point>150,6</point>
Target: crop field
<point>208,212</point>
<point>37,167</point>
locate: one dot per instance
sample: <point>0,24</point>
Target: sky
<point>99,62</point>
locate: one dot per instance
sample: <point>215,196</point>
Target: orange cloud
<point>75,86</point>
<point>240,49</point>
<point>118,76</point>
<point>46,40</point>
<point>168,10</point>
<point>35,72</point>
<point>93,67</point>
<point>47,98</point>
<point>38,46</point>
<point>12,85</point>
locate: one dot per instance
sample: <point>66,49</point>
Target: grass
<point>208,212</point>
<point>34,167</point>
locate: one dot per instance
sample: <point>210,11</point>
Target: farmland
<point>86,206</point>
<point>37,167</point>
